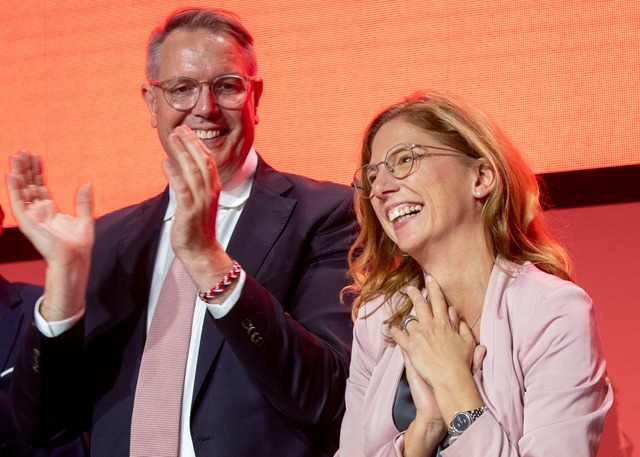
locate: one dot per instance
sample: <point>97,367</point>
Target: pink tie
<point>155,425</point>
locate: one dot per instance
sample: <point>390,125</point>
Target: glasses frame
<point>247,79</point>
<point>365,191</point>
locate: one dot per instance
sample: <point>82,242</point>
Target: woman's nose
<point>384,183</point>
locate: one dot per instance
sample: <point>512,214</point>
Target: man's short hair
<point>215,21</point>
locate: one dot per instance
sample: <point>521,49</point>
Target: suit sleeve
<point>566,390</point>
<point>10,440</point>
<point>296,348</point>
<point>47,374</point>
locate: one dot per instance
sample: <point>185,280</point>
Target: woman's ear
<point>484,178</point>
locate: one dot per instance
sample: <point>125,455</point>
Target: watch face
<point>461,422</point>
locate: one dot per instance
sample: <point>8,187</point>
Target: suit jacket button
<point>36,361</point>
<point>256,339</point>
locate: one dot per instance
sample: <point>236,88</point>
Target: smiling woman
<point>452,237</point>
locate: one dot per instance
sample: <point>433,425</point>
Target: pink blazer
<point>543,378</point>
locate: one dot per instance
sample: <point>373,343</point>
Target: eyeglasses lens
<point>227,91</point>
<point>398,162</point>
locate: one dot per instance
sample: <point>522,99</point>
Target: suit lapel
<point>135,257</point>
<point>268,211</point>
<point>10,321</point>
<point>263,218</point>
<point>138,247</point>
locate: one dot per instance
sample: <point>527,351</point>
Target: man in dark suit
<point>16,306</point>
<point>268,357</point>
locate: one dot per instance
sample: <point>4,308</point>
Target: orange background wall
<point>562,78</point>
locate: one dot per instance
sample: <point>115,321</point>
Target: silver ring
<point>408,318</point>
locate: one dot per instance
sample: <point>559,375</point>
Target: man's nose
<point>205,104</point>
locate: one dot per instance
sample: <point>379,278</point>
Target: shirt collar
<point>234,193</point>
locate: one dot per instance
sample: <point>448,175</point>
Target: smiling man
<point>263,366</point>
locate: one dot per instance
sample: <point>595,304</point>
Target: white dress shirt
<point>231,202</point>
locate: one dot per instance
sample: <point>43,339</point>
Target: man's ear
<point>258,86</point>
<point>484,178</point>
<point>149,95</point>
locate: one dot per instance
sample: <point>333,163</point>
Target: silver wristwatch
<point>462,420</point>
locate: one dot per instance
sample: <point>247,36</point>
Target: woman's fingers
<point>479,354</point>
<point>454,317</point>
<point>469,341</point>
<point>438,302</point>
<point>400,337</point>
<point>421,305</point>
<point>432,308</point>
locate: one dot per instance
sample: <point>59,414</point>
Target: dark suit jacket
<point>283,397</point>
<point>17,301</point>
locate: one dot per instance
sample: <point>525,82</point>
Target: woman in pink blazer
<point>470,338</point>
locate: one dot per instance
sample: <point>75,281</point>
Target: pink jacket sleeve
<point>367,428</point>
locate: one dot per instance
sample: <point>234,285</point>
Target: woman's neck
<point>463,278</point>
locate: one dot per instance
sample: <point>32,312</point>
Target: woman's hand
<point>428,429</point>
<point>441,348</point>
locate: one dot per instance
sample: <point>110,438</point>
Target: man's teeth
<point>399,214</point>
<point>207,134</point>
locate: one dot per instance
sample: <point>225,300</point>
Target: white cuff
<point>57,328</point>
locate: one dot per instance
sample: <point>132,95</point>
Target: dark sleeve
<point>296,348</point>
<point>28,408</point>
<point>47,375</point>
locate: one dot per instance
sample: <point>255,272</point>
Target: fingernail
<point>429,279</point>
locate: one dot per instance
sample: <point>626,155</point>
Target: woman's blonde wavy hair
<point>512,213</point>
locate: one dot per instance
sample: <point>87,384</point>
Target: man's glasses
<point>228,91</point>
<point>400,161</point>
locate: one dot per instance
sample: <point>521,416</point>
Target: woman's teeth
<point>401,213</point>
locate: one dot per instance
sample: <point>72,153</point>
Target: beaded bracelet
<point>224,282</point>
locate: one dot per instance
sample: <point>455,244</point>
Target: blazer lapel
<point>135,258</point>
<point>263,218</point>
<point>10,321</point>
<point>138,247</point>
<point>268,210</point>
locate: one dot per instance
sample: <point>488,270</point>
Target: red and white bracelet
<point>224,283</point>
